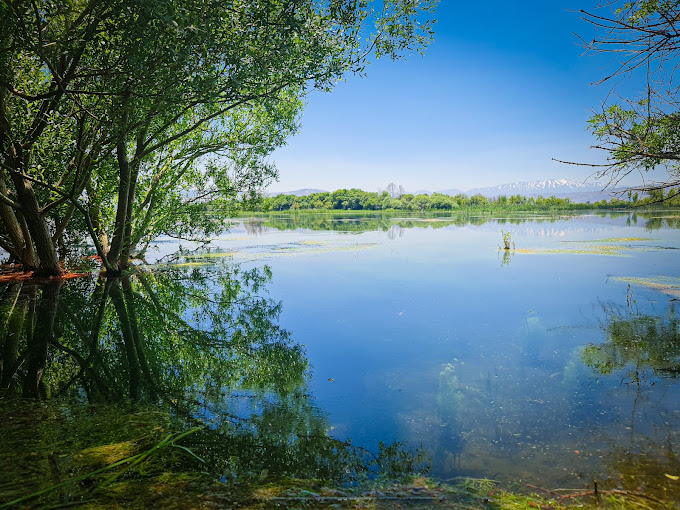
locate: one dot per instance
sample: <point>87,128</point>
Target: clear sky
<point>501,91</point>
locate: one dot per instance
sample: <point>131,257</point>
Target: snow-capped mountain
<point>545,187</point>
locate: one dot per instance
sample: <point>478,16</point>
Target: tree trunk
<point>127,242</point>
<point>96,216</point>
<point>48,264</point>
<point>121,209</point>
<point>32,223</point>
<point>28,252</point>
<point>9,225</point>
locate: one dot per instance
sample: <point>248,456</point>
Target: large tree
<point>639,133</point>
<point>102,98</point>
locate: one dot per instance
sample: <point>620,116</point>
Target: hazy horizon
<point>590,183</point>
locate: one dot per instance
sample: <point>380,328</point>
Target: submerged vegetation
<point>126,456</point>
<point>667,284</point>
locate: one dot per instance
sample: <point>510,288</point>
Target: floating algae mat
<point>614,240</point>
<point>667,284</point>
<point>612,251</point>
<point>211,255</point>
<point>300,249</point>
<point>611,246</point>
<point>251,253</point>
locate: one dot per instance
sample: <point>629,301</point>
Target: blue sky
<point>501,91</point>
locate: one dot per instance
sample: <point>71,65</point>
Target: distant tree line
<point>357,200</point>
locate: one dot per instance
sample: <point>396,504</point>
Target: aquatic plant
<point>507,239</point>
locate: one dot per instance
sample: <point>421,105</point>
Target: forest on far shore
<point>357,200</point>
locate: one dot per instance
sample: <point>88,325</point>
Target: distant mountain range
<point>579,192</point>
<point>544,187</point>
<point>298,192</point>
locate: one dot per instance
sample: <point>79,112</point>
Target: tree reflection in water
<point>642,353</point>
<point>200,344</point>
<point>642,347</point>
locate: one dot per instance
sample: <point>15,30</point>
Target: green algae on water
<point>607,250</point>
<point>667,284</point>
<point>614,240</point>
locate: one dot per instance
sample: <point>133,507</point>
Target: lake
<point>340,345</point>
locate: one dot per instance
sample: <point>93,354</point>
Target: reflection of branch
<point>100,297</point>
<point>130,306</point>
<point>346,444</point>
<point>160,309</point>
<point>84,367</point>
<point>128,341</point>
<point>11,363</point>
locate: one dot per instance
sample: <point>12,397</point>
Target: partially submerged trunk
<point>22,222</point>
<point>128,244</point>
<point>121,210</point>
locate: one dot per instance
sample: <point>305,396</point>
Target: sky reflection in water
<point>429,335</point>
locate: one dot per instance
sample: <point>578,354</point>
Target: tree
<point>478,200</point>
<point>420,202</point>
<point>395,191</point>
<point>217,164</point>
<point>122,88</point>
<point>641,133</point>
<point>439,201</point>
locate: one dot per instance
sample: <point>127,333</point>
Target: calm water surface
<point>554,363</point>
<point>555,360</point>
